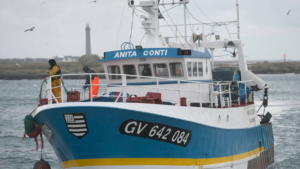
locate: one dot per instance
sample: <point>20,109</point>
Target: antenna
<point>238,18</point>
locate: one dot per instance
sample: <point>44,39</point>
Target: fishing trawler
<point>163,108</point>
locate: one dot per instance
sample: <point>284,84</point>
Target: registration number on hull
<point>156,131</point>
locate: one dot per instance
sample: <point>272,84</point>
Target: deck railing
<point>215,96</point>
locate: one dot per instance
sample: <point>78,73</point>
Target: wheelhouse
<point>147,64</point>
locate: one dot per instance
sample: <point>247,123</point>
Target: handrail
<point>112,74</point>
<point>210,95</point>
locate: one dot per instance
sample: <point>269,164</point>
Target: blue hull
<point>114,133</point>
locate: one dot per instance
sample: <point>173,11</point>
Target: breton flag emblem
<point>76,124</point>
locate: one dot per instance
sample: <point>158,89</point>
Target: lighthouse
<point>87,40</point>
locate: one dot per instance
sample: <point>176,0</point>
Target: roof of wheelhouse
<point>154,53</point>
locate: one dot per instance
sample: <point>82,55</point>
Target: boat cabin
<point>168,71</point>
<point>145,65</point>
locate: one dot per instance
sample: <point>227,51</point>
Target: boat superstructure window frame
<point>155,72</point>
<point>114,77</point>
<point>200,69</point>
<point>176,72</point>
<point>189,68</point>
<point>140,71</point>
<point>194,69</point>
<point>130,73</point>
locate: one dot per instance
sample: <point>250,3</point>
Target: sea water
<point>19,97</point>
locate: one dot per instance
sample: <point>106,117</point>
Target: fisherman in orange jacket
<point>94,87</point>
<point>56,81</point>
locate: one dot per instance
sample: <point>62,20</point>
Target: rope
<point>41,89</point>
<point>40,96</point>
<point>259,108</point>
<point>33,110</point>
<point>62,82</point>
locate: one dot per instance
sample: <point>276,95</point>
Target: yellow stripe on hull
<point>158,161</point>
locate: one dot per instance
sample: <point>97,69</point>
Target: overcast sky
<point>266,29</point>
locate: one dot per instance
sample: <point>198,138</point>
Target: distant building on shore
<point>28,59</point>
<point>58,59</point>
<point>71,58</point>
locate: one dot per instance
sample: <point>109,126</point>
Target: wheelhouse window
<point>176,69</point>
<point>195,74</point>
<point>189,68</point>
<point>129,70</point>
<point>161,70</point>
<point>114,70</point>
<point>145,70</point>
<point>200,68</point>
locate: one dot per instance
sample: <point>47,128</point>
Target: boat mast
<point>185,36</point>
<point>238,18</point>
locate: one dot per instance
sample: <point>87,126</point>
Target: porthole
<point>219,118</point>
<point>227,117</point>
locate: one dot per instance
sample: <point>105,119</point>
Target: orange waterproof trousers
<point>57,91</point>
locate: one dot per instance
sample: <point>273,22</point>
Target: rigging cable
<point>177,28</point>
<point>191,27</point>
<point>211,24</point>
<point>131,25</point>
<point>177,22</point>
<point>120,24</point>
<point>174,33</point>
<point>137,16</point>
<point>202,11</point>
<point>142,38</point>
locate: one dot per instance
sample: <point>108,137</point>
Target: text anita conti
<point>155,131</point>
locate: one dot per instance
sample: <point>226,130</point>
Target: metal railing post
<point>229,95</point>
<point>220,93</point>
<point>245,92</point>
<point>200,99</point>
<point>61,89</point>
<point>84,94</point>
<point>49,90</point>
<point>239,94</point>
<point>157,84</point>
<point>124,85</point>
<point>179,91</point>
<point>91,88</point>
<point>211,95</point>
